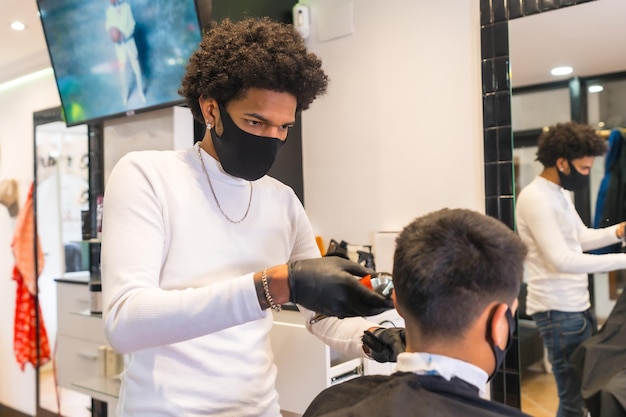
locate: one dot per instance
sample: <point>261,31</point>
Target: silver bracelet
<point>266,291</point>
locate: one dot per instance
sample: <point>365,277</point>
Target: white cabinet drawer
<point>82,325</point>
<point>74,318</point>
<point>77,360</point>
<point>72,297</point>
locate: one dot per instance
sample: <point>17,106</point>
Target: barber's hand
<point>385,344</point>
<point>329,286</point>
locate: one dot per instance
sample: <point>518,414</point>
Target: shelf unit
<point>79,336</point>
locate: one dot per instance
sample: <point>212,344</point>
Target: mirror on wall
<point>589,38</point>
<point>62,194</point>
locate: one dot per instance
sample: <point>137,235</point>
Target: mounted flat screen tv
<point>117,57</point>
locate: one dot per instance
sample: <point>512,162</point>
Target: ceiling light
<point>17,25</point>
<point>561,70</point>
<point>595,88</point>
<point>25,79</point>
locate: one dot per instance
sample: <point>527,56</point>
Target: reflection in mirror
<point>62,193</point>
<point>589,38</point>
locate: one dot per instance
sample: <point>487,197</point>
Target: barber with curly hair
<point>198,245</point>
<point>557,239</point>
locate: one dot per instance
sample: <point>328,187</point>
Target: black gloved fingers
<point>369,302</point>
<point>372,342</point>
<point>329,286</point>
<point>385,344</point>
<point>356,269</point>
<point>355,300</point>
<point>394,337</point>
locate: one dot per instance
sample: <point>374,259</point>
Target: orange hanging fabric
<point>25,334</point>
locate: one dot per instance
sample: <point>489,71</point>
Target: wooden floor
<point>539,397</point>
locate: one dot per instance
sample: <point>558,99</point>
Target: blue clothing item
<point>612,174</point>
<point>612,156</point>
<point>562,333</point>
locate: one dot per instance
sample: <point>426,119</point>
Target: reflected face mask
<point>575,180</point>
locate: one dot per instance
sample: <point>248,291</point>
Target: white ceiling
<point>22,52</point>
<point>591,37</point>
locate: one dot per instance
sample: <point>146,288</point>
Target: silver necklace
<point>206,173</point>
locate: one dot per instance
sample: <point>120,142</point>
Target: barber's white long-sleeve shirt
<point>179,298</point>
<point>556,267</point>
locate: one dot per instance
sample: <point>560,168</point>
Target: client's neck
<point>468,347</point>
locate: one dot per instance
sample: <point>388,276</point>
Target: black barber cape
<point>405,394</point>
<point>601,363</point>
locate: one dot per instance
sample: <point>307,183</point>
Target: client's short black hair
<point>450,264</point>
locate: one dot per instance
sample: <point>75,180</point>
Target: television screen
<point>117,57</point>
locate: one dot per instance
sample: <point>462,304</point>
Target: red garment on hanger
<point>25,333</point>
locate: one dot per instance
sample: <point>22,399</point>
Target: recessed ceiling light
<point>595,88</point>
<point>561,70</point>
<point>17,25</point>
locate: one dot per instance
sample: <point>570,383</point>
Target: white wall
<point>397,135</point>
<point>17,104</point>
<point>399,132</point>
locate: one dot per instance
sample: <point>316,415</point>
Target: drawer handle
<point>353,372</point>
<point>88,356</point>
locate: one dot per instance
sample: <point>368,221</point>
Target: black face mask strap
<point>498,353</point>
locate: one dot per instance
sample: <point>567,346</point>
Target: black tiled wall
<point>498,140</point>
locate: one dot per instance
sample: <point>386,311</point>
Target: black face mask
<point>501,353</point>
<point>575,180</point>
<point>243,154</point>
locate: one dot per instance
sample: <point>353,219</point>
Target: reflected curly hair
<point>570,141</point>
<point>252,53</point>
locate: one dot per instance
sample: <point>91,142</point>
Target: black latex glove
<point>329,286</point>
<point>385,343</point>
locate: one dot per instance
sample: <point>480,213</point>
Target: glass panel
<point>606,107</point>
<point>63,190</point>
<point>605,112</point>
<point>62,193</point>
<point>526,168</point>
<point>534,110</point>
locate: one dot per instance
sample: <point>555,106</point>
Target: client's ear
<point>500,326</point>
<point>395,303</point>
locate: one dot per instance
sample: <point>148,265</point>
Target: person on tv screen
<point>200,245</point>
<point>456,275</point>
<point>120,24</point>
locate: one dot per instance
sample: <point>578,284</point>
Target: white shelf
<point>103,389</point>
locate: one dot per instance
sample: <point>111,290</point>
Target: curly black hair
<point>570,141</point>
<point>234,57</point>
<point>450,264</point>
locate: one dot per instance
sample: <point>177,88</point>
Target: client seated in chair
<point>601,364</point>
<point>456,275</point>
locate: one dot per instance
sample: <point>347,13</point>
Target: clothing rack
<point>604,133</point>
